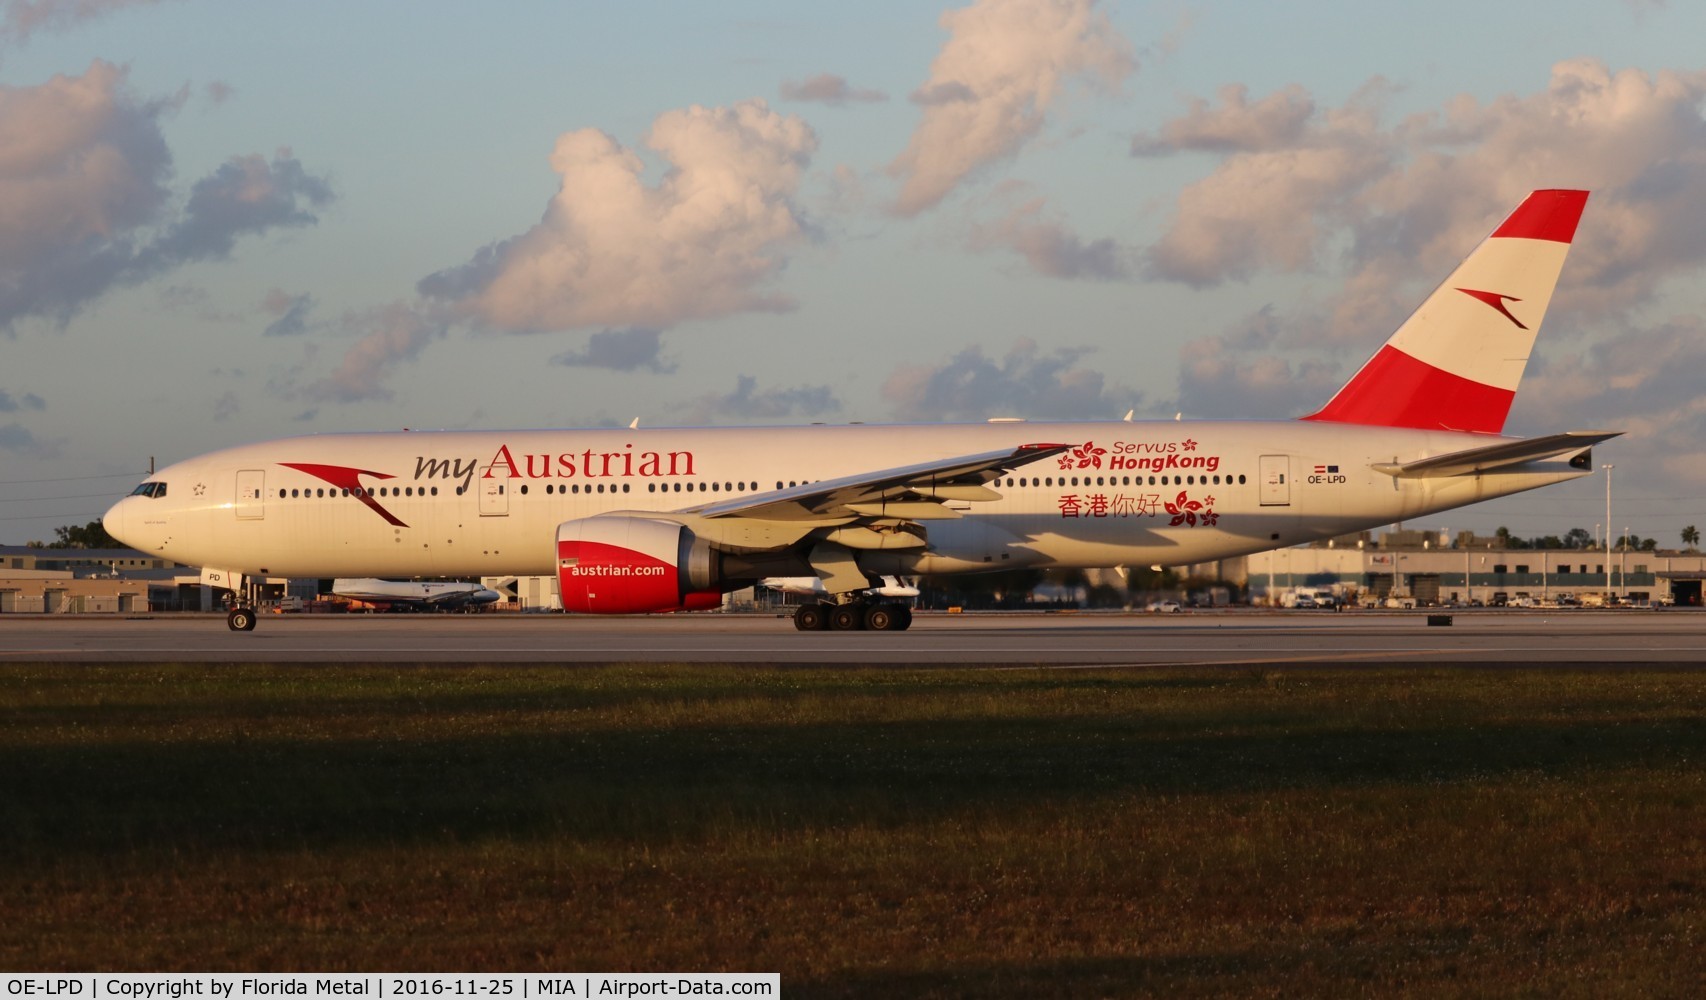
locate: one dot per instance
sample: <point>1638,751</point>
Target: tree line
<point>1581,538</point>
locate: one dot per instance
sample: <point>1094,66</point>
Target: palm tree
<point>1691,536</point>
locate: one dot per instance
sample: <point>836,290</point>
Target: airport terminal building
<point>55,581</point>
<point>1423,568</point>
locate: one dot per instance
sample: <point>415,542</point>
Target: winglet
<point>1455,364</point>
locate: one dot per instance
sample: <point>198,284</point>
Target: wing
<point>1494,457</point>
<point>910,492</point>
<point>824,523</point>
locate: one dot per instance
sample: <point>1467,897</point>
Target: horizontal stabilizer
<point>1496,456</point>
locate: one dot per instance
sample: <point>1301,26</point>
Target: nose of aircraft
<point>113,521</point>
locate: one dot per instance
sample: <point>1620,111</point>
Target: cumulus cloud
<point>1642,380</point>
<point>620,350</point>
<point>23,18</point>
<point>17,439</point>
<point>611,251</point>
<point>1024,383</point>
<point>1393,205</point>
<point>390,336</point>
<point>291,312</point>
<point>827,88</point>
<point>28,401</point>
<point>1236,125</point>
<point>85,201</point>
<point>1278,194</point>
<point>1005,64</point>
<point>1237,376</point>
<point>1050,247</point>
<point>748,402</point>
<point>245,195</point>
<point>1399,204</point>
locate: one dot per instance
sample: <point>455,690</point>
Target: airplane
<point>416,595</point>
<point>635,521</point>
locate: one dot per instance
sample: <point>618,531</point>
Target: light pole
<point>1608,469</point>
<point>1623,566</point>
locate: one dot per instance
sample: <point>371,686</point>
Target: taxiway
<point>1058,641</point>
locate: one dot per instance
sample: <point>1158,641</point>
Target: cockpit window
<point>155,490</point>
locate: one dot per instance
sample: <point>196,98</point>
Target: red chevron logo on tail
<point>1497,301</point>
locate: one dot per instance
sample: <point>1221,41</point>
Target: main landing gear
<point>870,617</point>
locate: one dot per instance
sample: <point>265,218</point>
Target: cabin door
<point>251,494</point>
<point>1276,480</point>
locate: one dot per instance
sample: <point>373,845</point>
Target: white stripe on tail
<point>1456,362</point>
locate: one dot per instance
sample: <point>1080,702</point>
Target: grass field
<point>1391,832</point>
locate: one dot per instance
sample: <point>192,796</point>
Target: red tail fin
<point>1456,362</point>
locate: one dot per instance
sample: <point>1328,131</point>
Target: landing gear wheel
<point>811,618</point>
<point>846,618</point>
<point>902,618</point>
<point>881,618</point>
<point>241,620</point>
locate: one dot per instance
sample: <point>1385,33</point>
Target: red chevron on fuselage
<point>349,480</point>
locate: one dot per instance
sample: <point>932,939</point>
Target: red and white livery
<point>636,521</point>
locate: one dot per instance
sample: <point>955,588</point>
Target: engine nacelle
<point>618,565</point>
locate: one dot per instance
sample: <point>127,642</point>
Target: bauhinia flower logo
<point>1192,512</point>
<point>1086,456</point>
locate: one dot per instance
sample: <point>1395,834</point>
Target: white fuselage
<point>484,503</point>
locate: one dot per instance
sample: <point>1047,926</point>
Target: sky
<point>223,223</point>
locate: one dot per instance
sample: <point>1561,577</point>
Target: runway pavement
<point>1060,641</point>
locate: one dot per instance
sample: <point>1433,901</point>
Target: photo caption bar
<point>389,986</point>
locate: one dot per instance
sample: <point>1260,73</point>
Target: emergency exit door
<point>494,491</point>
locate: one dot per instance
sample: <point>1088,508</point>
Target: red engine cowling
<point>616,565</point>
